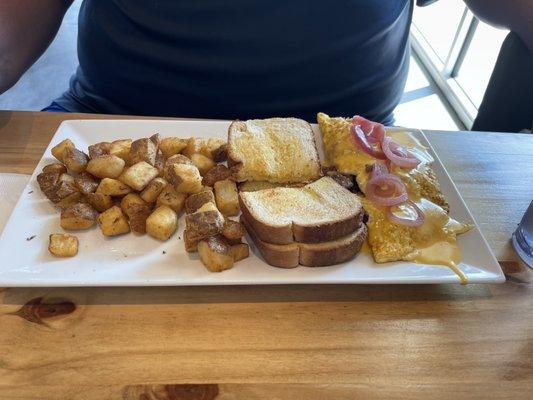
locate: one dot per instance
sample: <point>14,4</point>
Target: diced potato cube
<point>59,149</point>
<point>233,230</point>
<point>220,154</point>
<point>191,246</point>
<point>86,183</point>
<point>99,149</point>
<point>162,223</point>
<point>185,178</point>
<point>78,216</point>
<point>215,254</point>
<point>170,198</point>
<point>69,199</point>
<point>159,163</point>
<point>215,174</point>
<point>172,145</point>
<point>240,251</point>
<point>48,184</point>
<point>139,175</point>
<point>227,197</point>
<point>143,150</point>
<point>121,149</point>
<point>205,146</point>
<point>203,163</point>
<point>153,189</point>
<point>112,222</point>
<point>138,214</point>
<point>197,200</point>
<point>75,160</point>
<point>128,200</point>
<point>107,166</point>
<point>156,139</point>
<point>63,245</point>
<point>205,222</point>
<point>169,164</point>
<point>55,167</point>
<point>99,201</point>
<point>113,187</point>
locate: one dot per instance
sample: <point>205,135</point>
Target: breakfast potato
<point>55,167</point>
<point>153,190</point>
<point>86,183</point>
<point>240,251</point>
<point>59,149</point>
<point>156,139</point>
<point>220,154</point>
<point>78,216</point>
<point>75,160</point>
<point>205,146</point>
<point>69,199</point>
<point>185,178</point>
<point>99,149</point>
<point>121,149</point>
<point>170,198</point>
<point>162,223</point>
<point>191,246</point>
<point>113,222</point>
<point>143,150</point>
<point>215,254</point>
<point>63,245</point>
<point>227,197</point>
<point>138,214</point>
<point>130,199</point>
<point>205,222</point>
<point>65,191</point>
<point>47,182</point>
<point>233,231</point>
<point>139,175</point>
<point>197,200</point>
<point>100,202</point>
<point>113,187</point>
<point>175,159</point>
<point>159,163</point>
<point>107,166</point>
<point>202,162</point>
<point>172,145</point>
<point>215,174</point>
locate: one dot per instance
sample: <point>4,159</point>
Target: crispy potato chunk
<point>121,149</point>
<point>156,139</point>
<point>55,167</point>
<point>86,183</point>
<point>138,214</point>
<point>75,160</point>
<point>215,254</point>
<point>113,187</point>
<point>233,231</point>
<point>48,184</point>
<point>59,149</point>
<point>143,150</point>
<point>63,245</point>
<point>185,178</point>
<point>59,188</point>
<point>172,145</point>
<point>78,216</point>
<point>100,202</point>
<point>170,198</point>
<point>99,149</point>
<point>220,154</point>
<point>205,222</point>
<point>205,146</point>
<point>153,189</point>
<point>159,163</point>
<point>215,174</point>
<point>191,246</point>
<point>227,197</point>
<point>240,251</point>
<point>107,166</point>
<point>197,200</point>
<point>202,162</point>
<point>112,222</point>
<point>139,175</point>
<point>69,199</point>
<point>175,159</point>
<point>128,200</point>
<point>162,223</point>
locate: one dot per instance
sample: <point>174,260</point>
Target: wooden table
<point>284,342</point>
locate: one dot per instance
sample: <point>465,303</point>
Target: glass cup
<point>523,237</point>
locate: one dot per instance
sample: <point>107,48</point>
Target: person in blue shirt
<point>230,59</point>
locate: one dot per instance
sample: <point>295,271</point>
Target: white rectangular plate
<point>131,260</point>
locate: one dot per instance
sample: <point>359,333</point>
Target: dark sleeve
<point>423,3</point>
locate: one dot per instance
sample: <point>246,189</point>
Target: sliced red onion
<point>361,140</point>
<point>374,131</point>
<point>407,221</point>
<point>386,190</point>
<point>398,155</point>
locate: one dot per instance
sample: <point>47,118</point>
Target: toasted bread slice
<point>279,150</point>
<point>318,212</point>
<point>309,254</point>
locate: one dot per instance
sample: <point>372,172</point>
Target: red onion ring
<point>361,140</point>
<point>374,132</point>
<point>386,190</point>
<point>397,154</point>
<point>407,221</point>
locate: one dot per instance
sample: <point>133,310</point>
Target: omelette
<point>434,242</point>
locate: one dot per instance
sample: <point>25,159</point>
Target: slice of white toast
<point>279,150</point>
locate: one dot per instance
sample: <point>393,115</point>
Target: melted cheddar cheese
<point>434,242</point>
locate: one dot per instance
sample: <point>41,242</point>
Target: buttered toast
<point>278,150</point>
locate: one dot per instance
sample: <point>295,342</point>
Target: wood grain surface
<point>284,342</point>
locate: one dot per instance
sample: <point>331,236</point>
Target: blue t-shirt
<point>241,58</point>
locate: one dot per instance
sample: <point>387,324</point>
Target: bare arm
<point>516,15</point>
<point>27,27</point>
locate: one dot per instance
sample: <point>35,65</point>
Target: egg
<point>435,241</point>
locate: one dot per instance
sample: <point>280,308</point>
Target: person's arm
<point>27,27</point>
<point>515,15</point>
